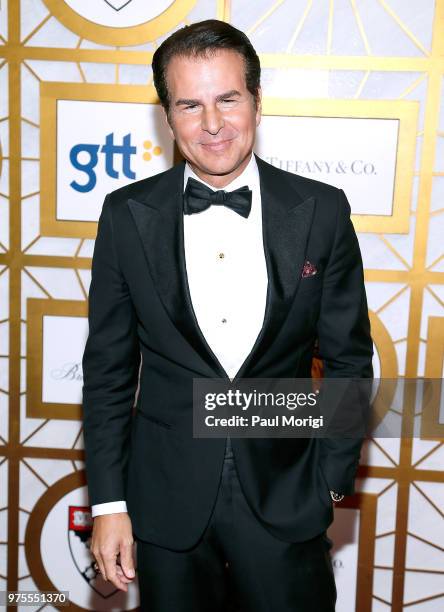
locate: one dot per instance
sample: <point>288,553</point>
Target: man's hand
<point>112,535</point>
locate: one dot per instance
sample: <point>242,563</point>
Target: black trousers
<point>237,565</point>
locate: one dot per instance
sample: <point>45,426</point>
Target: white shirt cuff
<point>108,508</point>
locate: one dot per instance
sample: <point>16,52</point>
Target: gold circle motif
<point>134,35</point>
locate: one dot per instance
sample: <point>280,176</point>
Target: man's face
<point>212,114</point>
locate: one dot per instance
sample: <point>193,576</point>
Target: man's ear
<point>259,105</point>
<point>165,116</point>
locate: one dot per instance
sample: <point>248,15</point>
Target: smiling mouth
<point>217,145</point>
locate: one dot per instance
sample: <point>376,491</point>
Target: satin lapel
<point>159,221</point>
<point>286,222</point>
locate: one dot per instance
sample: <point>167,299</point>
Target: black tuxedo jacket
<point>141,318</point>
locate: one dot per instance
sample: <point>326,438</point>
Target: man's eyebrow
<point>190,101</point>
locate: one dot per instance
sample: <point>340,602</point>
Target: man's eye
<point>194,106</point>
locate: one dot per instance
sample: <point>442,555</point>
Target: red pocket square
<point>309,269</point>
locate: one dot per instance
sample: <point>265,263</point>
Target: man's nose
<point>212,120</point>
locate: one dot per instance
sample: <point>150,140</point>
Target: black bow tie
<point>198,197</point>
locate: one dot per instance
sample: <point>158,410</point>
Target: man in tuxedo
<point>223,266</point>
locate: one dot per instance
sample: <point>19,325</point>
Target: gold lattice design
<point>416,272</point>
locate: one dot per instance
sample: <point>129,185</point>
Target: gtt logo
<point>111,152</point>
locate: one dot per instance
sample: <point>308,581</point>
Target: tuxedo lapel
<point>286,221</point>
<point>159,221</point>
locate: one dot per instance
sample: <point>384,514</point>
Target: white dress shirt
<point>227,278</point>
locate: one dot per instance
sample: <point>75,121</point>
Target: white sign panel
<point>102,146</point>
<point>345,535</point>
<point>357,155</point>
<point>64,341</point>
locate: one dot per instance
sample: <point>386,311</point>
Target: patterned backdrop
<point>78,118</point>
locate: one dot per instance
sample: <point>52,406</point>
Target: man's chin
<point>218,166</point>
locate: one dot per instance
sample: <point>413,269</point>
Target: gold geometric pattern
<point>386,50</point>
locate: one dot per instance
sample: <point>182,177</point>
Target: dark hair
<point>200,39</point>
